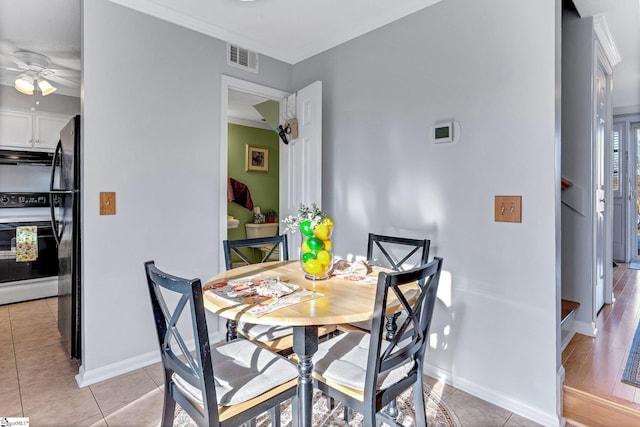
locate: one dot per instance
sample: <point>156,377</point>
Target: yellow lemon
<point>305,247</point>
<point>322,231</point>
<point>313,266</point>
<point>324,257</point>
<point>327,245</point>
<point>328,222</point>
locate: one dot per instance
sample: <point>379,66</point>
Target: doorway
<point>634,178</point>
<point>238,98</point>
<point>626,185</point>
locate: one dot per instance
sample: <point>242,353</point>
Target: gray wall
<point>577,166</point>
<point>491,66</point>
<point>151,126</point>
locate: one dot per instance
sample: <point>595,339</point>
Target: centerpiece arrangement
<point>316,227</point>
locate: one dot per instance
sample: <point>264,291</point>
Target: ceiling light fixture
<point>24,84</point>
<point>45,87</point>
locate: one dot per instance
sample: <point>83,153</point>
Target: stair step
<point>589,408</point>
<point>567,309</point>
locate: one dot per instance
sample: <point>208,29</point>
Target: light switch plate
<point>107,203</point>
<point>508,209</point>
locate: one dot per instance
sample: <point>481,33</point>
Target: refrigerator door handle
<point>54,223</point>
<point>57,231</point>
<point>56,155</point>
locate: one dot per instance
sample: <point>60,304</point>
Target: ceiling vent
<point>242,58</point>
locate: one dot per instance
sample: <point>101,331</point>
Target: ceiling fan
<point>35,73</point>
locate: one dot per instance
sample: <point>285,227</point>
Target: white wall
<point>490,65</point>
<point>151,112</point>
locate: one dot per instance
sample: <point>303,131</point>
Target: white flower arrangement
<point>312,213</point>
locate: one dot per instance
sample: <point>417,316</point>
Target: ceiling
<point>623,20</point>
<point>287,30</point>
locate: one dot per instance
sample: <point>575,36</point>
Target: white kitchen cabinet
<point>46,130</point>
<point>16,129</point>
<point>27,130</point>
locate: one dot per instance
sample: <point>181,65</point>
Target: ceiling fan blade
<point>12,69</point>
<point>65,72</point>
<point>63,81</point>
<point>19,63</point>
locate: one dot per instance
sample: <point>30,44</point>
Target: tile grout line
<point>98,405</point>
<point>15,360</point>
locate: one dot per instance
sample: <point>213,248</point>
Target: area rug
<point>631,374</point>
<point>634,265</point>
<point>438,413</point>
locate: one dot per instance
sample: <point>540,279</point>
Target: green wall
<point>263,186</point>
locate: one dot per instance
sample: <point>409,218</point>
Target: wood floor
<point>593,392</point>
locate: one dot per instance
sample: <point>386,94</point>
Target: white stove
<point>22,281</point>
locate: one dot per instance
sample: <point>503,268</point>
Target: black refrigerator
<point>65,184</point>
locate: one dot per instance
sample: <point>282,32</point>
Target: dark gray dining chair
<point>276,338</point>
<point>366,371</point>
<point>224,384</point>
<point>269,246</point>
<point>396,254</point>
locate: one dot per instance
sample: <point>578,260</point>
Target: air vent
<point>242,58</point>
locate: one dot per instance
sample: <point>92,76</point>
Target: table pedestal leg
<point>232,333</point>
<point>305,344</point>
<point>392,329</point>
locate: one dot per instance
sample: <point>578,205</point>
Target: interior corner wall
<point>490,65</point>
<point>577,164</point>
<point>153,142</point>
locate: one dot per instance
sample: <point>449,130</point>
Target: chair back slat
<point>271,244</point>
<point>406,349</point>
<point>196,369</point>
<point>397,253</point>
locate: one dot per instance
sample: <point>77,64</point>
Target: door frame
<point>233,83</point>
<point>601,62</point>
<point>629,121</point>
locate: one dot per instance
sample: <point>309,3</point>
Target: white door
<point>601,142</point>
<point>301,158</point>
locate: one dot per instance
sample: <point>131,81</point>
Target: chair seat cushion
<point>365,325</point>
<point>344,360</point>
<point>264,332</point>
<point>242,370</point>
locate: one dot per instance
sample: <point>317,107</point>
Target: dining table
<point>340,299</point>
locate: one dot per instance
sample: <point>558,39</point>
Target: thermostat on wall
<point>445,132</point>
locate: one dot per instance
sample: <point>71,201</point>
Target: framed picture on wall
<point>257,158</point>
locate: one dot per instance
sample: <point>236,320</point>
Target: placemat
<point>265,293</point>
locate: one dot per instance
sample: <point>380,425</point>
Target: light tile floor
<point>37,381</point>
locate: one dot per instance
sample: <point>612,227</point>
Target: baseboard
<point>87,377</point>
<point>584,328</point>
<point>560,376</point>
<point>504,401</point>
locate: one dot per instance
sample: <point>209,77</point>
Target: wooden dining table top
<point>343,300</point>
